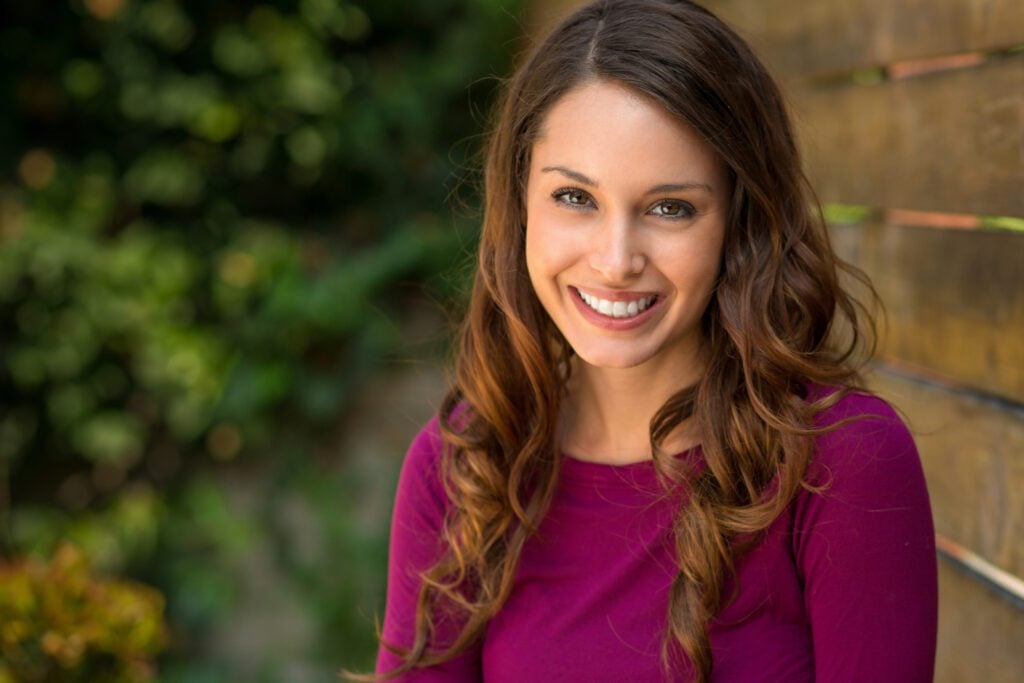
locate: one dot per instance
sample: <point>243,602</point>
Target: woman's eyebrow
<point>657,189</point>
<point>575,175</point>
<point>681,187</point>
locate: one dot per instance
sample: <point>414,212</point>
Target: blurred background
<point>230,236</point>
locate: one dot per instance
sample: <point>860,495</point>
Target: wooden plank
<point>954,300</point>
<point>952,141</point>
<point>979,633</point>
<point>799,38</point>
<point>973,456</point>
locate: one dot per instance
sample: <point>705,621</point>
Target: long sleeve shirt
<point>841,588</point>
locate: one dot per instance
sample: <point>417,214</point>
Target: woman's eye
<point>572,197</point>
<point>673,209</point>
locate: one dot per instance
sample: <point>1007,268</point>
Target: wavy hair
<point>779,321</point>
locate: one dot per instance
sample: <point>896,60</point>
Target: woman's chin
<point>610,360</point>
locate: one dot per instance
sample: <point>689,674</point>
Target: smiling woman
<point>654,463</point>
<point>643,228</point>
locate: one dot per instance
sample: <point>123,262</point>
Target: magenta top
<point>843,586</point>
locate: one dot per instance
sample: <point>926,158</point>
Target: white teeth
<point>617,309</point>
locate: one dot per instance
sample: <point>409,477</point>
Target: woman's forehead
<point>606,130</point>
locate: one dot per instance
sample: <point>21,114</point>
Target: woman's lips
<point>608,322</point>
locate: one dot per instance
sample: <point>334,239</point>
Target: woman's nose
<point>616,252</point>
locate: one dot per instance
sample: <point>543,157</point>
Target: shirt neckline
<point>628,473</point>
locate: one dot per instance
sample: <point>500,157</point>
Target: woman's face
<point>626,210</point>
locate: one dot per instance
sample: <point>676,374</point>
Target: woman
<point>652,464</point>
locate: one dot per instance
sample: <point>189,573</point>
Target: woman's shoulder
<point>425,448</point>
<point>864,438</point>
<point>420,482</point>
<point>844,402</point>
<point>848,412</point>
<point>848,401</point>
<point>422,474</point>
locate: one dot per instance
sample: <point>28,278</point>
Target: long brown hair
<point>778,322</point>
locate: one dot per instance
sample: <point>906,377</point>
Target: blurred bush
<point>58,622</point>
<point>212,215</point>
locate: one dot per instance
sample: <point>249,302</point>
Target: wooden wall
<point>911,116</point>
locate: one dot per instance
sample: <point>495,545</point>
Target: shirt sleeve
<point>415,545</point>
<point>865,550</point>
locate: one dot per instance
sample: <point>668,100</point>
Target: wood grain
<point>952,141</point>
<point>973,456</point>
<point>954,300</point>
<point>980,633</point>
<point>808,38</point>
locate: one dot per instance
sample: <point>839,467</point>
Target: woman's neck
<point>608,411</point>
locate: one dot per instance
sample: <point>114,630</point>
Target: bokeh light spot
<point>37,168</point>
<point>83,78</point>
<point>105,9</point>
<point>237,268</point>
<point>306,147</point>
<point>218,122</point>
<point>224,441</point>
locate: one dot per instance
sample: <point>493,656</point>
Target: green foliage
<point>211,217</point>
<point>59,622</point>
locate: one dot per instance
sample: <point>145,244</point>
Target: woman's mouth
<point>625,311</point>
<point>617,309</point>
